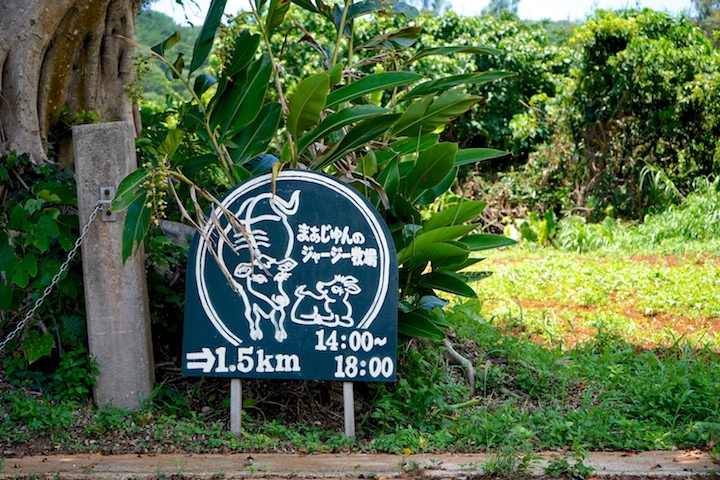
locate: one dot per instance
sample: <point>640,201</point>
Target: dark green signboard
<point>306,288</point>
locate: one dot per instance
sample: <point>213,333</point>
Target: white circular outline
<point>311,177</point>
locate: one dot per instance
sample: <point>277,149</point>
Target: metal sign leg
<point>349,408</point>
<point>235,405</point>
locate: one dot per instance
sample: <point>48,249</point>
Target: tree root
<point>454,358</point>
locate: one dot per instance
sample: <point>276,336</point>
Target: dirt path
<point>678,464</point>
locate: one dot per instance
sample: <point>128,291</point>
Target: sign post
<point>296,280</point>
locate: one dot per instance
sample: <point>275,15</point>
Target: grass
<point>613,347</point>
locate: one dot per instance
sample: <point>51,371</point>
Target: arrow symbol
<point>207,357</point>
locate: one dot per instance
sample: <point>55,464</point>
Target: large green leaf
<point>307,103</point>
<point>339,120</point>
<point>36,346</point>
<point>420,120</point>
<point>452,50</point>
<point>438,251</point>
<point>276,14</point>
<point>137,222</point>
<point>468,156</point>
<point>307,5</point>
<point>193,165</point>
<point>371,83</point>
<point>446,83</point>
<point>430,168</point>
<point>202,83</point>
<point>455,264</point>
<point>241,102</point>
<point>389,179</point>
<point>243,52</point>
<point>129,190</point>
<point>172,142</point>
<point>442,234</point>
<point>358,137</point>
<point>165,44</point>
<point>455,214</point>
<point>485,241</point>
<point>25,269</point>
<point>448,282</point>
<point>419,323</point>
<point>205,39</point>
<point>431,194</point>
<point>406,146</point>
<point>254,139</point>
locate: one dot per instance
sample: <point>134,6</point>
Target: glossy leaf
<point>405,211</point>
<point>203,82</point>
<point>452,50</point>
<point>437,235</point>
<point>254,139</point>
<point>178,65</point>
<point>468,156</point>
<point>137,222</point>
<point>243,52</point>
<point>205,39</point>
<point>165,44</point>
<point>455,265</point>
<point>276,14</point>
<point>448,282</point>
<point>335,73</point>
<point>371,83</point>
<point>197,164</point>
<point>389,179</point>
<point>307,103</point>
<point>430,168</point>
<point>457,214</point>
<point>446,83</point>
<point>435,252</point>
<point>485,241</point>
<point>128,190</point>
<point>431,194</point>
<point>339,120</point>
<point>307,5</point>
<point>358,137</point>
<point>242,101</point>
<point>419,323</point>
<point>447,106</point>
<point>172,142</point>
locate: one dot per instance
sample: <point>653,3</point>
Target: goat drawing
<point>259,280</point>
<point>329,305</point>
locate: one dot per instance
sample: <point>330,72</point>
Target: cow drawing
<point>265,265</point>
<point>329,305</point>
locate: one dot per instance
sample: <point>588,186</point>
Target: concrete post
<point>116,301</point>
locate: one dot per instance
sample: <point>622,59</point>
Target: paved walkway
<point>679,464</point>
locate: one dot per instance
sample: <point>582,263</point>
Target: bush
<point>644,100</point>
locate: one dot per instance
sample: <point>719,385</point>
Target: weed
<point>508,462</point>
<point>571,467</point>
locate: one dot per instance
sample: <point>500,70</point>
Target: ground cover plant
<point>592,334</point>
<point>572,361</point>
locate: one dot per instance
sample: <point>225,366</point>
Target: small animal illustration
<point>329,305</point>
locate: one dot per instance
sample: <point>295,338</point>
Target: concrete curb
<point>678,464</point>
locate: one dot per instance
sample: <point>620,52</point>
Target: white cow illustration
<point>259,279</point>
<point>329,305</point>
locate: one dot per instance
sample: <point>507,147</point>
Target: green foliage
<point>36,232</point>
<point>577,470</point>
<point>643,97</point>
<point>379,130</point>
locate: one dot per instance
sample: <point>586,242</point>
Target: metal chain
<point>56,278</point>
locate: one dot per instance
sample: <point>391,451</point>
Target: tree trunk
<point>61,56</point>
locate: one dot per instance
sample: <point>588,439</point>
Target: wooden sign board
<point>308,290</point>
